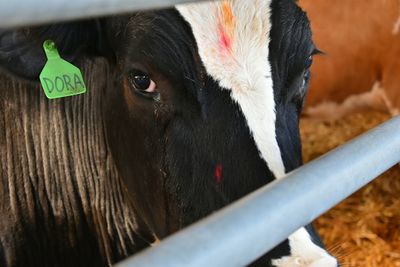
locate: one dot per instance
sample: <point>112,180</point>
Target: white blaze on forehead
<point>233,43</point>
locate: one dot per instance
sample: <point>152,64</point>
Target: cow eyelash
<point>309,60</point>
<point>308,63</point>
<point>316,51</point>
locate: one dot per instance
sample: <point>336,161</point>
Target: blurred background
<point>355,86</point>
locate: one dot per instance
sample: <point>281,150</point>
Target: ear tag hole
<point>59,78</point>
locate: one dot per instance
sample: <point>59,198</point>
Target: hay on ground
<point>363,230</point>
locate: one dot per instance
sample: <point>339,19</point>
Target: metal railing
<point>245,230</point>
<point>31,12</point>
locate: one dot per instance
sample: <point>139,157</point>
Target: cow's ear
<point>21,51</point>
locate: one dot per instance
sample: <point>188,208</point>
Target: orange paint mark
<point>226,27</point>
<point>228,17</point>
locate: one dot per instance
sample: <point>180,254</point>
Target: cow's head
<point>204,105</point>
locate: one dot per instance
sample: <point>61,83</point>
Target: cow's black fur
<point>167,149</point>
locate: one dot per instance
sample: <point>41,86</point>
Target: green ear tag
<point>60,78</point>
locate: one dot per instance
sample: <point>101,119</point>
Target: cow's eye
<point>306,74</point>
<point>309,62</point>
<point>304,85</point>
<point>298,97</point>
<point>142,82</point>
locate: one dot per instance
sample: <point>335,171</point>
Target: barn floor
<point>363,230</point>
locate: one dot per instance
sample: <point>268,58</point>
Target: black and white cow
<point>203,107</point>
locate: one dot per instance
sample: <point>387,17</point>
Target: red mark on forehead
<point>224,40</point>
<point>218,173</point>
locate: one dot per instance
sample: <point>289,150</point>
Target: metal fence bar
<point>252,226</point>
<point>30,12</point>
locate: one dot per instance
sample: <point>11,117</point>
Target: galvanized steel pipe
<point>247,229</point>
<point>30,12</point>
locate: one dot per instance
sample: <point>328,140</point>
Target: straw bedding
<point>363,230</point>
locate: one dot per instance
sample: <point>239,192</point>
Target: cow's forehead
<point>232,38</point>
<point>233,42</point>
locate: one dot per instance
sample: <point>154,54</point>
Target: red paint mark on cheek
<point>224,40</point>
<point>218,173</point>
